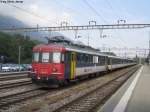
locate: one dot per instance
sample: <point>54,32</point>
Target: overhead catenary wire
<point>97,13</point>
<point>94,10</point>
<point>117,15</point>
<point>31,13</point>
<point>111,8</point>
<point>36,15</point>
<point>121,40</point>
<point>69,8</point>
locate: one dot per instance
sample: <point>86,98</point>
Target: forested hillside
<point>9,47</point>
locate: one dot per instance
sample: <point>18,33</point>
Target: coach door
<point>73,65</point>
<point>109,63</point>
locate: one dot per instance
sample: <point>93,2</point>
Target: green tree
<point>9,45</point>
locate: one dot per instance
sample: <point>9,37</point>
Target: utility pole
<point>149,42</point>
<point>148,57</point>
<point>19,56</point>
<point>88,39</point>
<point>37,27</point>
<point>76,34</point>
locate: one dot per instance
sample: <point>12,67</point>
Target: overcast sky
<point>79,12</point>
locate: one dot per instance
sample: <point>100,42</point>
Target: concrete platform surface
<point>133,96</point>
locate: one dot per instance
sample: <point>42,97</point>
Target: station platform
<point>133,96</point>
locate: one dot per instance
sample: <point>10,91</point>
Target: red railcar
<point>48,64</point>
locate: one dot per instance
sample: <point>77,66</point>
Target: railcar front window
<point>45,57</point>
<point>56,57</point>
<point>36,57</point>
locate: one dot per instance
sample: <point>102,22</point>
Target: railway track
<point>13,76</point>
<point>5,101</point>
<point>90,101</point>
<point>58,96</point>
<point>13,73</point>
<point>15,84</point>
<point>14,79</point>
<point>59,99</point>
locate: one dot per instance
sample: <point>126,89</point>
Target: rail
<point>14,73</point>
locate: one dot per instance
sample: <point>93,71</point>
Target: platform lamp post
<point>148,57</point>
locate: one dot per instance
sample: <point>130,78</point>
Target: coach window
<point>96,59</point>
<point>36,57</point>
<point>93,59</point>
<point>56,57</point>
<point>45,57</point>
<point>78,58</point>
<point>86,58</point>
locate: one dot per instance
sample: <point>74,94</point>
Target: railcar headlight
<point>38,77</point>
<point>54,69</point>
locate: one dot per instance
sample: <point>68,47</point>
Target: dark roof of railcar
<point>62,41</point>
<point>82,49</point>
